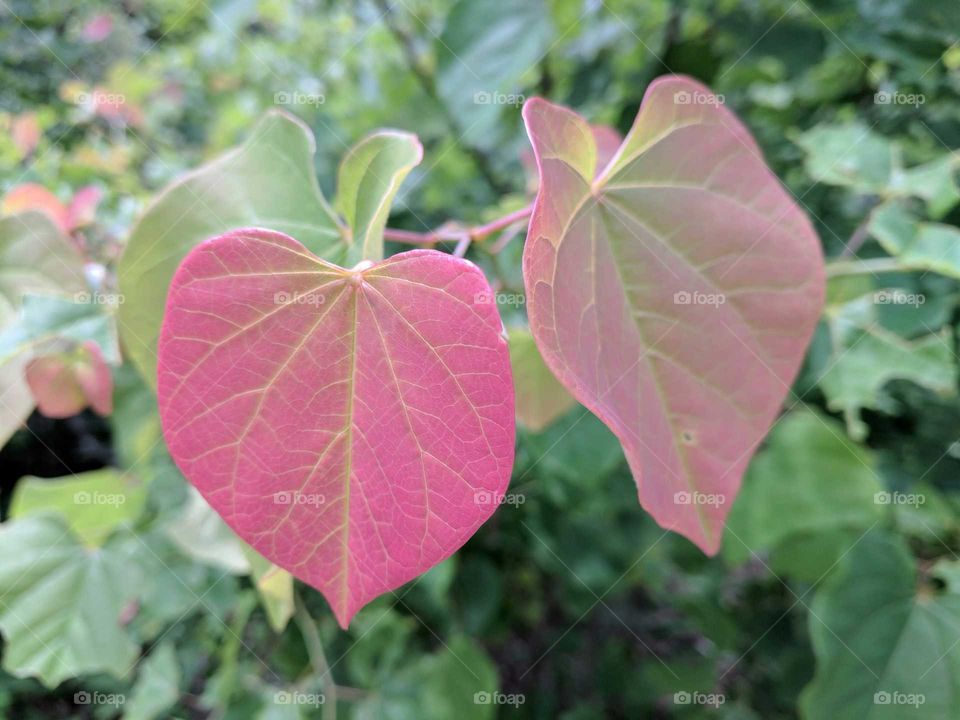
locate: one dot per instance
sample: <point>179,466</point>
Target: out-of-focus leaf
<point>541,398</point>
<point>92,504</point>
<point>576,447</point>
<point>918,245</point>
<point>268,182</point>
<point>35,257</point>
<point>31,196</point>
<point>810,481</point>
<point>866,357</point>
<point>135,422</point>
<point>370,175</point>
<point>65,383</point>
<point>458,681</point>
<point>483,53</point>
<point>157,686</point>
<point>83,207</point>
<point>16,402</point>
<point>67,217</point>
<point>200,533</point>
<point>25,132</point>
<point>274,587</point>
<point>935,182</point>
<point>849,155</point>
<point>346,384</point>
<point>885,650</point>
<point>45,318</point>
<point>61,603</point>
<point>658,295</point>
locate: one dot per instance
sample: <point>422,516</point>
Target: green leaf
<point>918,245</point>
<point>849,155</point>
<point>92,504</point>
<point>17,401</point>
<point>485,49</point>
<point>268,181</point>
<point>866,357</point>
<point>200,534</point>
<point>540,397</point>
<point>458,681</point>
<point>36,257</point>
<point>370,175</point>
<point>935,182</point>
<point>575,447</point>
<point>157,686</point>
<point>46,318</point>
<point>884,649</point>
<point>274,588</point>
<point>61,603</point>
<point>808,487</point>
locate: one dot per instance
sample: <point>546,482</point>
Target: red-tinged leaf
<point>98,28</point>
<point>31,196</point>
<point>354,426</point>
<point>65,383</point>
<point>674,295</point>
<point>25,132</point>
<point>608,142</point>
<point>83,207</point>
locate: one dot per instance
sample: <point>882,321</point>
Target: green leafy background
<point>837,591</point>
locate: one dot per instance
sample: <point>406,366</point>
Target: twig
<point>861,267</point>
<point>452,232</point>
<point>311,637</point>
<point>860,235</point>
<point>428,82</point>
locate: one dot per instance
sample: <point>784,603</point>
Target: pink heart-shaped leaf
<point>355,427</point>
<point>674,294</point>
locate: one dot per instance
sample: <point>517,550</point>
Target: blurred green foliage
<point>838,579</point>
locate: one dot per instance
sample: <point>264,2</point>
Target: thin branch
<point>428,83</point>
<point>860,235</point>
<point>455,233</point>
<point>861,267</point>
<point>311,637</point>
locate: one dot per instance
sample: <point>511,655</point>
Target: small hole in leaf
<point>688,437</point>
